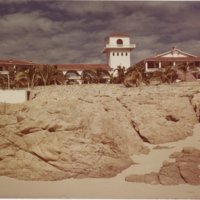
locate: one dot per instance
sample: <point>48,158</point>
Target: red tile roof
<point>173,59</point>
<point>81,67</point>
<point>117,35</point>
<point>15,62</point>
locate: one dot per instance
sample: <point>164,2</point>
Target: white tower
<point>118,50</point>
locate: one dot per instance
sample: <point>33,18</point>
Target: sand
<point>115,187</point>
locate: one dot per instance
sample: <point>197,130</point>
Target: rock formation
<point>51,139</point>
<point>184,170</point>
<point>91,130</point>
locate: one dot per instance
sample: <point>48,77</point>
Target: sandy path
<point>114,187</point>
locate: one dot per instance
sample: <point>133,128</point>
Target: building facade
<point>172,57</point>
<point>118,50</point>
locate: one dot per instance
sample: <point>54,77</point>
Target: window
<point>117,54</point>
<point>126,54</point>
<point>113,53</point>
<point>119,41</point>
<point>153,65</point>
<point>122,54</point>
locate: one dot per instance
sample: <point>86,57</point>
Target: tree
<point>119,76</point>
<point>3,81</point>
<point>48,75</point>
<point>136,75</point>
<point>103,76</point>
<point>21,79</point>
<point>133,78</point>
<point>90,76</point>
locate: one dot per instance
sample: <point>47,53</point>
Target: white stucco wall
<point>120,50</point>
<point>13,96</point>
<point>119,60</point>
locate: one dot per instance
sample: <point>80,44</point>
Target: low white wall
<point>13,96</point>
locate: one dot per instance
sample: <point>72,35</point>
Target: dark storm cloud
<point>74,32</point>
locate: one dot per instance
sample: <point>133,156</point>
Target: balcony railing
<point>121,46</point>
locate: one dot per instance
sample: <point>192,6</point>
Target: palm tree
<point>120,75</point>
<point>135,75</point>
<point>21,79</point>
<point>103,76</point>
<point>4,81</point>
<point>49,74</point>
<point>90,76</point>
<point>133,78</point>
<point>186,69</point>
<point>57,77</point>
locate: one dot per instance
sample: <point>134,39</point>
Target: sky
<point>55,32</point>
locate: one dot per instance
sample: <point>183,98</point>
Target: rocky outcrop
<point>161,119</point>
<point>52,139</point>
<point>186,169</point>
<point>90,130</point>
<point>195,101</point>
<point>169,174</point>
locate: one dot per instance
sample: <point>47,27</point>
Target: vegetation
<point>39,75</point>
<point>3,81</point>
<point>118,75</point>
<point>96,76</point>
<point>136,75</point>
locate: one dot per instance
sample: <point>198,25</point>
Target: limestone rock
<point>135,178</point>
<point>92,131</point>
<point>190,172</point>
<point>20,116</point>
<point>186,169</point>
<point>7,120</point>
<point>57,138</point>
<point>167,119</point>
<point>169,175</point>
<point>196,104</point>
<point>151,178</point>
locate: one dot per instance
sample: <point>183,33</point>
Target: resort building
<point>118,53</point>
<point>172,57</point>
<point>16,65</point>
<point>118,50</point>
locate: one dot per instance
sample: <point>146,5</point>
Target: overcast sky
<point>74,32</point>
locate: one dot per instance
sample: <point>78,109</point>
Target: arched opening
<point>119,41</point>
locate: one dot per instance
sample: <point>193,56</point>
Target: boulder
<point>135,178</point>
<point>190,171</point>
<point>186,169</point>
<point>151,178</point>
<point>169,175</point>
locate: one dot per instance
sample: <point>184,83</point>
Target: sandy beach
<point>115,187</point>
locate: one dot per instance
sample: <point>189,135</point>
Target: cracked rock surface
<point>91,130</point>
